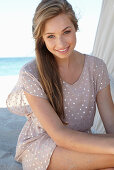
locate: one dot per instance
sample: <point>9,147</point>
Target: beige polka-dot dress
<point>35,146</point>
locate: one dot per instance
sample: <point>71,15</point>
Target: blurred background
<point>17,44</point>
<point>16,23</point>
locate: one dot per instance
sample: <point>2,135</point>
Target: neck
<point>65,63</point>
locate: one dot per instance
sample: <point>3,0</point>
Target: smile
<point>63,50</point>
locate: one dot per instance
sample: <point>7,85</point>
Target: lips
<point>63,50</point>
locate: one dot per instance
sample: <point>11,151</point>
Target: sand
<point>6,85</point>
<point>10,127</point>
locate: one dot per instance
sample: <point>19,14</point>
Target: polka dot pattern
<point>35,147</point>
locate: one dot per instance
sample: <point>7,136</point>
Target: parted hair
<point>47,66</point>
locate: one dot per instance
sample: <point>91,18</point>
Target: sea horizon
<point>10,66</point>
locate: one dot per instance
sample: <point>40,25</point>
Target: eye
<point>50,36</point>
<point>67,32</point>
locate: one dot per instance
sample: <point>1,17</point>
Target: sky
<point>16,26</point>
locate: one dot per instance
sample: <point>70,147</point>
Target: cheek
<point>49,44</point>
<point>72,39</point>
<point>75,39</point>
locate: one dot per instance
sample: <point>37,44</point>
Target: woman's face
<point>60,36</point>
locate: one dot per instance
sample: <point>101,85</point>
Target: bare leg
<point>63,159</point>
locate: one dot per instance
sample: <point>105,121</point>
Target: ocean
<point>12,66</point>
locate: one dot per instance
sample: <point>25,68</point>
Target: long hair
<point>46,63</point>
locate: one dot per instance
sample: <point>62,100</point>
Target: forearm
<point>105,135</point>
<point>86,143</point>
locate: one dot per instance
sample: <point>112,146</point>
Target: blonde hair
<point>46,63</point>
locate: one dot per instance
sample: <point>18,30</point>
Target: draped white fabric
<point>104,49</point>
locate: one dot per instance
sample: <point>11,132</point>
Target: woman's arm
<point>106,109</point>
<point>65,137</point>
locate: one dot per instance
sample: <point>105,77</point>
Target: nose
<point>60,43</point>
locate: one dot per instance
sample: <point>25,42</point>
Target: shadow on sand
<point>10,127</point>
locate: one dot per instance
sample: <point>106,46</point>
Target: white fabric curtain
<point>104,49</point>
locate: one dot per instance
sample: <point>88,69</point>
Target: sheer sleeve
<point>16,101</point>
<point>101,75</point>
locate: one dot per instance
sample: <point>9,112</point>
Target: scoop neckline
<point>81,75</point>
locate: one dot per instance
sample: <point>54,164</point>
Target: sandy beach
<point>10,126</point>
<point>6,85</point>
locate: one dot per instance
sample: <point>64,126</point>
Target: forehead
<point>57,23</point>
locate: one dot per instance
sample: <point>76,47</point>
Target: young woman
<point>58,93</point>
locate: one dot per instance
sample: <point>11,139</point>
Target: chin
<point>63,56</point>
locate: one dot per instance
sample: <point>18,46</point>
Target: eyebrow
<point>62,30</point>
